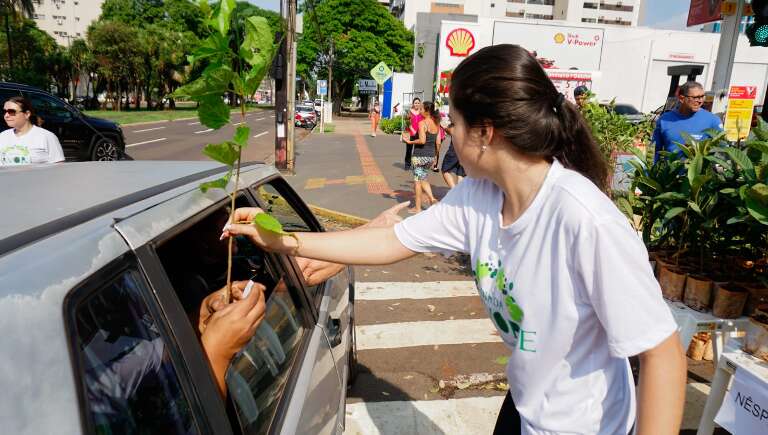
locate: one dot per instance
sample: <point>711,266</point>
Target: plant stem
<point>228,293</point>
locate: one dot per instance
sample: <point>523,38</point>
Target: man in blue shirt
<point>689,118</point>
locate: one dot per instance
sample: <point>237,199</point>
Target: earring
<point>484,147</point>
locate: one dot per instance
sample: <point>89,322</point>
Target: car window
<point>276,204</point>
<point>624,109</point>
<point>49,108</point>
<point>196,263</point>
<point>130,384</point>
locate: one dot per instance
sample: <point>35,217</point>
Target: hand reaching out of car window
<point>229,328</point>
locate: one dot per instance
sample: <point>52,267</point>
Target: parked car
<point>82,137</point>
<point>101,265</point>
<point>318,107</point>
<point>305,116</point>
<point>628,111</point>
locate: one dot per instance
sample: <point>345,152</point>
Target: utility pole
<point>726,52</point>
<point>330,84</point>
<point>285,90</point>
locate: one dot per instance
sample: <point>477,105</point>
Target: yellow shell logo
<point>559,38</point>
<point>460,42</point>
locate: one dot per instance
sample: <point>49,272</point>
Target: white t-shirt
<point>570,290</point>
<point>38,145</point>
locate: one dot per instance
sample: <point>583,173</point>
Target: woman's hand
<point>264,239</point>
<point>406,137</point>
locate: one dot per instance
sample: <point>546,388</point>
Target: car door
<point>57,118</point>
<point>131,377</point>
<point>330,299</point>
<point>288,358</point>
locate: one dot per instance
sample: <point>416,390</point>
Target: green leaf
<point>728,190</point>
<point>223,152</point>
<point>758,145</point>
<point>213,112</point>
<point>742,160</point>
<point>695,207</point>
<point>672,212</point>
<point>214,82</point>
<point>267,222</point>
<point>241,135</point>
<point>223,16</point>
<point>650,182</point>
<point>694,168</point>
<point>219,183</point>
<point>670,196</point>
<point>735,220</point>
<point>626,208</point>
<point>215,46</point>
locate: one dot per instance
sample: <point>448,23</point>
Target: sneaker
<point>373,134</point>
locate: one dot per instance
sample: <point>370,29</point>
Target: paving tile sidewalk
<point>351,172</point>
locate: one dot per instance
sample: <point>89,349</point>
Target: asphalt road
<point>184,139</point>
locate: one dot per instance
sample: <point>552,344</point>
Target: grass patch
<point>329,128</point>
<point>135,116</point>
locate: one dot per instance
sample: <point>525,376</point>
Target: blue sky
<point>664,14</point>
<point>267,4</point>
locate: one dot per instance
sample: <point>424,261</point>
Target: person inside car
<point>24,143</point>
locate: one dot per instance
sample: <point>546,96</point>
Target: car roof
<point>20,86</point>
<point>42,200</point>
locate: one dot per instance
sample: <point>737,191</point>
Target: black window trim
<point>303,304</point>
<point>94,283</point>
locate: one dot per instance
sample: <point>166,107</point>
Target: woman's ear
<point>486,133</point>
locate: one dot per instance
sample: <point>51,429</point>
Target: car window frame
<point>294,285</point>
<point>95,283</point>
<point>309,218</point>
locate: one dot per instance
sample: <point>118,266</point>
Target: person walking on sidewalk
<point>564,277</point>
<point>375,116</point>
<point>426,149</point>
<point>24,143</point>
<point>451,168</point>
<point>413,129</point>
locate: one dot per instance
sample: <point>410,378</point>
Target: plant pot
<point>758,295</point>
<point>709,352</point>
<point>698,292</point>
<point>729,300</point>
<point>756,338</point>
<point>698,346</point>
<point>672,282</point>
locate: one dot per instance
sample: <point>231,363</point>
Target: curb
<point>338,216</point>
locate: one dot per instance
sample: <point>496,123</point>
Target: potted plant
<point>756,338</point>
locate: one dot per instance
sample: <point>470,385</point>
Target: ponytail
<point>578,150</point>
<point>503,85</point>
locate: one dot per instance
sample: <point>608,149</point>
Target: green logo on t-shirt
<point>500,298</point>
<point>15,155</point>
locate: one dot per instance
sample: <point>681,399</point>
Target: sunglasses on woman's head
<point>11,112</point>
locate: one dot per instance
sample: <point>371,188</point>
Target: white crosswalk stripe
<point>429,333</point>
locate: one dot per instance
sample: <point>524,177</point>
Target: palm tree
<point>14,9</point>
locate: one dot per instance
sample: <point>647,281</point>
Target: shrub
<point>392,126</point>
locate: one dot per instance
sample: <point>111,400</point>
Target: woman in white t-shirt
<point>25,143</point>
<point>564,278</point>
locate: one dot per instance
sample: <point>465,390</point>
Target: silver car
<point>104,266</point>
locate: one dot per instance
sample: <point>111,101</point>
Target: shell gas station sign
<point>460,42</point>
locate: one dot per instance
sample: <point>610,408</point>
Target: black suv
<point>82,137</point>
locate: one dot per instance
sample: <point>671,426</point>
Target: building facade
<point>66,20</point>
<point>613,12</point>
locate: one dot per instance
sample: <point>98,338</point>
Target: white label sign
<point>745,408</point>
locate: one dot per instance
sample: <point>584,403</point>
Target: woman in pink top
<point>416,117</point>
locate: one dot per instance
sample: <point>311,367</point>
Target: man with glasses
<point>688,118</point>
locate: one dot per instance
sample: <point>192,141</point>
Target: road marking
<point>148,129</point>
<point>194,123</point>
<point>259,119</point>
<point>467,416</point>
<point>427,333</point>
<point>261,134</point>
<point>371,168</point>
<point>381,291</point>
<point>145,142</point>
<point>238,123</point>
<point>271,116</point>
<point>203,131</point>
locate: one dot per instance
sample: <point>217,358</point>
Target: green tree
<point>82,63</point>
<point>359,34</point>
<point>117,51</point>
<point>14,10</point>
<point>32,48</point>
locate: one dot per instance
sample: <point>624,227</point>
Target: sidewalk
<point>351,172</point>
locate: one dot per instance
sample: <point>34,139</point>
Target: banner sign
<point>704,11</point>
<point>367,86</point>
<point>738,117</point>
<point>745,407</point>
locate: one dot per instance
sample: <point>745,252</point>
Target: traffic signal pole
<point>726,52</point>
